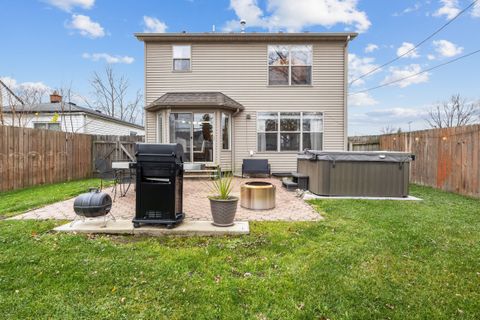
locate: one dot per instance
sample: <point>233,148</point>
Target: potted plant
<point>222,204</point>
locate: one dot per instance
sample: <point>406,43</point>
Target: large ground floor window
<point>289,131</point>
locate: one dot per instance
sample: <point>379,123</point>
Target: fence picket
<point>30,157</point>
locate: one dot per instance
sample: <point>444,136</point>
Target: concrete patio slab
<point>97,226</point>
<point>195,228</point>
<point>187,228</point>
<point>196,205</point>
<point>311,196</point>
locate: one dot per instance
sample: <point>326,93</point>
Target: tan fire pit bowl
<point>257,195</point>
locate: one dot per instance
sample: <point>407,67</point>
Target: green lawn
<point>366,260</point>
<point>17,201</point>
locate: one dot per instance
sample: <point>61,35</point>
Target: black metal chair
<point>255,166</point>
<point>106,174</point>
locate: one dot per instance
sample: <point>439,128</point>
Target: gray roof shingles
<point>185,99</point>
<point>67,107</point>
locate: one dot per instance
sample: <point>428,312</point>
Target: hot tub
<point>368,174</point>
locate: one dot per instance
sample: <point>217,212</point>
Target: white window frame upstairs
<point>290,65</point>
<point>173,57</point>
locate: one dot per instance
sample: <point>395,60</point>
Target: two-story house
<point>230,96</point>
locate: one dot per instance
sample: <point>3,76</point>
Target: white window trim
<point>289,67</point>
<point>159,130</point>
<point>278,131</point>
<point>172,60</point>
<point>229,130</point>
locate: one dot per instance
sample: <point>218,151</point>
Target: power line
<point>11,92</point>
<point>416,46</point>
<point>416,74</point>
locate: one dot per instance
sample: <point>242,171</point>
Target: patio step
<point>206,173</point>
<point>289,184</point>
<point>202,176</point>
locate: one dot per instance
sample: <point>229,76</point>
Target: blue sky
<point>62,42</point>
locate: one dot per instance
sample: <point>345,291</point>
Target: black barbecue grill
<point>159,188</point>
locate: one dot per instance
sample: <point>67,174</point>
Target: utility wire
<point>416,74</point>
<point>11,92</point>
<point>416,46</point>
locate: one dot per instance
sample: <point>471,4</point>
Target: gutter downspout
<point>236,112</point>
<point>345,96</point>
<point>232,137</point>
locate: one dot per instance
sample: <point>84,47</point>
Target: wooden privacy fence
<point>114,148</point>
<point>365,143</point>
<point>447,159</point>
<point>30,157</point>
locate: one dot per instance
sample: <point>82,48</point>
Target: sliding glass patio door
<point>194,131</point>
<point>180,126</point>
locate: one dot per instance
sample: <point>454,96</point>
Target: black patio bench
<point>255,166</point>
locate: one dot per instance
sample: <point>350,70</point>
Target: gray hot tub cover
<point>373,156</point>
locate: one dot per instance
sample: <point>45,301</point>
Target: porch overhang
<point>195,100</point>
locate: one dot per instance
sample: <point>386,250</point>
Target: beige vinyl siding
<point>240,71</point>
<point>96,125</point>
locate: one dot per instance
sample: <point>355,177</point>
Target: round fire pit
<point>257,195</point>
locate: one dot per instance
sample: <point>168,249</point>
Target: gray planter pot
<point>223,211</point>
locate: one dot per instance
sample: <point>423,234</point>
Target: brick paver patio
<point>196,205</point>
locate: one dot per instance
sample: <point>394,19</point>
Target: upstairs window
<point>181,58</point>
<point>289,65</point>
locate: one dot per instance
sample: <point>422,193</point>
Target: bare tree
<point>388,129</point>
<point>110,96</point>
<point>67,109</point>
<point>67,95</point>
<point>20,101</point>
<point>452,113</point>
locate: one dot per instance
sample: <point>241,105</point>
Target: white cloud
<point>361,100</point>
<point>476,10</point>
<point>86,27</point>
<point>407,10</point>
<point>68,5</point>
<point>449,9</point>
<point>370,48</point>
<point>397,73</point>
<point>430,57</point>
<point>397,113</point>
<point>406,47</point>
<point>14,85</point>
<point>154,25</point>
<point>358,66</point>
<point>446,48</point>
<point>108,58</point>
<point>293,16</point>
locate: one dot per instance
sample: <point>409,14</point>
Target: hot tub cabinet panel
<point>372,174</point>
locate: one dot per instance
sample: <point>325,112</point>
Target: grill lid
<point>366,156</point>
<point>168,152</point>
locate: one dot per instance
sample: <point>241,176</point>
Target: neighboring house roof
<point>68,107</point>
<point>246,37</point>
<point>195,99</point>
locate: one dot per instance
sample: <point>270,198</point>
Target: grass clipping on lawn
<point>366,260</point>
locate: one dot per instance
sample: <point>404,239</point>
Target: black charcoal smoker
<point>159,188</point>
